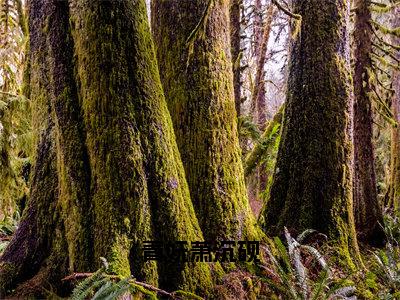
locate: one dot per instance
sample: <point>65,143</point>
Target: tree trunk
<point>108,175</point>
<point>234,13</point>
<point>394,185</point>
<point>198,83</point>
<point>312,185</point>
<point>257,27</point>
<point>259,93</point>
<point>257,41</point>
<point>367,210</point>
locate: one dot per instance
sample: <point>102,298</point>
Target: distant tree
<point>235,20</point>
<point>259,100</point>
<point>107,173</point>
<point>259,96</point>
<point>313,174</point>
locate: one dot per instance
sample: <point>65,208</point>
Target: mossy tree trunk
<point>107,173</point>
<point>312,185</point>
<point>367,210</point>
<point>394,185</point>
<point>198,85</point>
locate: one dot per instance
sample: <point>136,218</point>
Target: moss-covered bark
<point>367,210</point>
<point>198,84</point>
<point>108,174</point>
<point>254,157</point>
<point>394,185</point>
<point>312,185</point>
<point>27,257</point>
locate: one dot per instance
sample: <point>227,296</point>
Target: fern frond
<point>83,289</point>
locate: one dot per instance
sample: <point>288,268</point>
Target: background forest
<point>127,121</point>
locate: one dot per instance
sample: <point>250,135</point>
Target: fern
<point>103,286</point>
<point>248,129</point>
<point>106,290</point>
<point>387,265</point>
<point>7,227</point>
<point>15,137</point>
<point>87,286</point>
<point>294,282</point>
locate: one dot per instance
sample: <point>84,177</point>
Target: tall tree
<point>257,40</point>
<point>259,97</point>
<point>193,50</point>
<point>394,185</point>
<point>107,172</point>
<point>259,93</point>
<point>235,19</point>
<point>367,210</point>
<point>312,180</point>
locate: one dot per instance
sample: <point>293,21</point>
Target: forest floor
<point>304,267</point>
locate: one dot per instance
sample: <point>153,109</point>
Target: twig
<point>76,276</point>
<point>286,11</point>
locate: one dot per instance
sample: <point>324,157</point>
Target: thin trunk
<point>259,93</point>
<point>107,174</point>
<point>235,51</point>
<point>198,86</point>
<point>258,27</point>
<point>367,210</point>
<point>257,41</point>
<point>312,185</point>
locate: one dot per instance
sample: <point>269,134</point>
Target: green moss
<point>370,281</point>
<point>134,160</point>
<point>199,93</point>
<point>187,295</point>
<point>271,132</point>
<point>312,181</point>
<point>108,173</point>
<point>119,258</point>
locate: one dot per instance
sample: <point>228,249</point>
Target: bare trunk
<point>235,51</point>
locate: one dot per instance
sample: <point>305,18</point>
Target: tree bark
<point>107,173</point>
<point>259,93</point>
<point>198,85</point>
<point>367,210</point>
<point>312,185</point>
<point>394,185</point>
<point>234,12</point>
<point>258,31</point>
